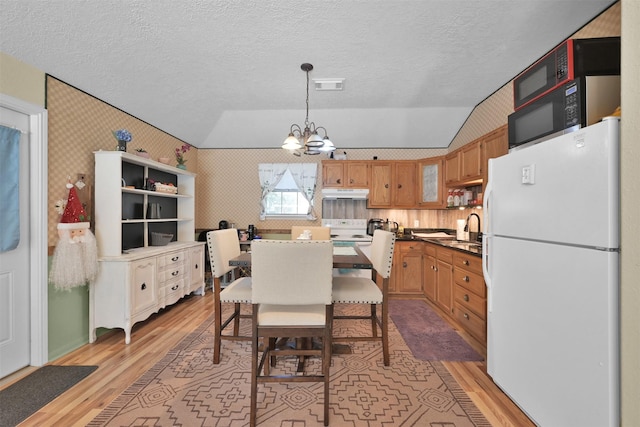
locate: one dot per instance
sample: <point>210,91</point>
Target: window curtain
<point>304,174</point>
<point>270,175</point>
<point>9,190</point>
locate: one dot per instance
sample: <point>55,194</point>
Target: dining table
<point>343,257</point>
<point>350,257</point>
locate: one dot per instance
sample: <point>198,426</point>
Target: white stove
<point>348,230</point>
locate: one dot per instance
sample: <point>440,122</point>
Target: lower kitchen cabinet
<point>430,275</point>
<point>133,286</point>
<point>453,281</point>
<point>444,279</point>
<point>470,307</point>
<point>407,269</point>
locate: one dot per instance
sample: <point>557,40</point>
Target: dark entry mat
<point>25,397</point>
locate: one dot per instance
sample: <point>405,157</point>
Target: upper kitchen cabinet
<point>464,165</point>
<point>404,184</point>
<point>452,168</point>
<point>345,174</point>
<point>431,189</point>
<point>468,165</point>
<point>494,144</point>
<point>380,191</point>
<point>394,184</point>
<point>471,162</point>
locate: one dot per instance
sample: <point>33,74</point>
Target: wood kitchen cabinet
<point>452,168</point>
<point>394,184</point>
<point>345,174</point>
<point>407,269</point>
<point>470,302</point>
<point>471,162</point>
<point>429,272</point>
<point>444,279</point>
<point>380,190</point>
<point>431,186</point>
<point>438,276</point>
<point>494,144</point>
<point>404,184</point>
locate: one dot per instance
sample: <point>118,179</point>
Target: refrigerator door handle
<point>486,239</point>
<point>486,242</point>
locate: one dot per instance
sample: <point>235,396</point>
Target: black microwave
<point>569,60</point>
<point>571,106</point>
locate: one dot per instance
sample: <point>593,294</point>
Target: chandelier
<point>308,137</point>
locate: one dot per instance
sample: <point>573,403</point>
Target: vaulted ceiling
<point>226,74</point>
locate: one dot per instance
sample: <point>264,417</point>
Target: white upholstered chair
<point>362,290</point>
<point>224,245</point>
<point>291,294</point>
<point>317,233</point>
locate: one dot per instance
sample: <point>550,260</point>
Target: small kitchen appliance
<point>578,103</point>
<point>551,265</point>
<point>375,224</point>
<point>572,58</point>
<point>223,225</point>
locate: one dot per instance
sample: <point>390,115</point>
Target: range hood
<point>345,193</point>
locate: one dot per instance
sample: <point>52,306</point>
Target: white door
<point>15,267</point>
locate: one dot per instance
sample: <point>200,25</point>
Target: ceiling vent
<point>328,84</point>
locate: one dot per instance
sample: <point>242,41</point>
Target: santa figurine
<point>75,259</point>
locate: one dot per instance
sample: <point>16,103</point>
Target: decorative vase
<point>182,166</point>
<point>122,146</point>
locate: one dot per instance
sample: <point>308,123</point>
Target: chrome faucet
<point>466,227</point>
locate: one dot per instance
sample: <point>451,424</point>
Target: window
<point>286,198</point>
<point>287,190</point>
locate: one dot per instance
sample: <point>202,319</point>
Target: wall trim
<point>38,132</point>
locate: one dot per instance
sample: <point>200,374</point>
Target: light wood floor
<point>120,365</point>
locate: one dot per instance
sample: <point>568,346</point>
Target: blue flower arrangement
<point>122,135</point>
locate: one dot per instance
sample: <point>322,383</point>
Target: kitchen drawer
<point>471,301</point>
<point>172,291</point>
<point>430,250</point>
<point>177,257</point>
<point>472,281</point>
<point>171,272</point>
<point>445,255</point>
<point>468,262</point>
<point>471,322</point>
<point>406,247</point>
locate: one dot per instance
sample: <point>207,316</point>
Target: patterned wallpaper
<point>80,124</point>
<point>227,182</point>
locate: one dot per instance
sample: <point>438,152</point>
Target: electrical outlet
<point>416,223</point>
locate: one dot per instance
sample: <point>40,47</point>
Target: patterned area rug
<point>186,388</point>
<point>428,336</point>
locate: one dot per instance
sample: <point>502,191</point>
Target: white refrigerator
<point>551,265</point>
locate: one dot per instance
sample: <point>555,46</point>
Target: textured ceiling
<point>226,74</point>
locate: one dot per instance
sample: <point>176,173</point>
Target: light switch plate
<point>529,174</point>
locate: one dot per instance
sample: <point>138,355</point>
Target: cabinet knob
<point>386,186</point>
<point>466,316</point>
<point>175,273</point>
<point>174,288</point>
<point>143,286</point>
<point>466,297</point>
<point>404,265</point>
<point>196,266</point>
<point>465,262</point>
<point>175,258</point>
<point>399,185</point>
<point>351,181</point>
<point>465,278</point>
<point>338,181</point>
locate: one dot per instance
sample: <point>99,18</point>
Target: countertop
<point>448,241</point>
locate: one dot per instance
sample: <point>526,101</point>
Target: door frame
<point>38,253</point>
